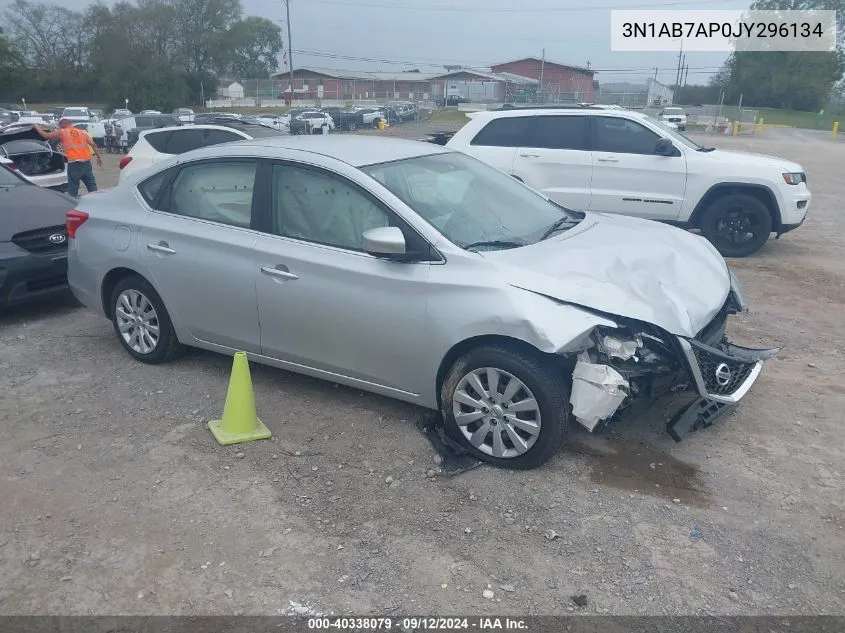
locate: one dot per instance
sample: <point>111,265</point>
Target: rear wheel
<point>141,322</point>
<point>506,407</point>
<point>737,224</point>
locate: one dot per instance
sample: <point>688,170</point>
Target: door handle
<point>530,155</point>
<point>608,159</point>
<point>161,247</point>
<point>279,272</point>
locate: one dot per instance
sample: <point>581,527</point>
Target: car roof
<point>355,150</point>
<point>588,111</point>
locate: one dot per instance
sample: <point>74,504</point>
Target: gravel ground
<point>116,498</point>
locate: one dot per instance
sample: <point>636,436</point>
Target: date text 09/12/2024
<point>416,624</point>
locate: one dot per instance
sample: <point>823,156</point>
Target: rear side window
<point>557,132</point>
<point>161,121</point>
<point>215,137</point>
<point>504,132</point>
<point>150,187</point>
<point>159,141</point>
<point>143,121</point>
<point>182,141</point>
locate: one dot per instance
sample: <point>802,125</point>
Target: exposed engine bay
<point>640,363</point>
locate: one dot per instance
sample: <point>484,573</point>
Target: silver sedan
<point>419,273</point>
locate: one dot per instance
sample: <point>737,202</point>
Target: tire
<point>139,293</point>
<point>536,377</point>
<point>737,224</point>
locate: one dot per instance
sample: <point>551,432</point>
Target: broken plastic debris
<point>596,391</point>
<point>621,349</point>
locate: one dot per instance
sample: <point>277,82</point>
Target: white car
<point>185,115</point>
<point>618,161</point>
<point>674,115</point>
<point>312,119</point>
<point>149,112</point>
<point>163,143</point>
<point>77,115</point>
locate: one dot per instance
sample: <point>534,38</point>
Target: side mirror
<point>385,241</point>
<point>664,147</point>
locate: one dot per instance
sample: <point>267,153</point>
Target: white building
<point>233,91</point>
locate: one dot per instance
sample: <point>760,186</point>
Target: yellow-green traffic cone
<point>240,423</point>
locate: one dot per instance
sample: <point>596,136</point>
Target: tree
<point>254,45</point>
<point>779,79</point>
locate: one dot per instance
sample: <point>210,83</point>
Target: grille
<point>38,241</point>
<point>709,361</point>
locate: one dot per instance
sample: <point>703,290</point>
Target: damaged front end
<point>629,367</point>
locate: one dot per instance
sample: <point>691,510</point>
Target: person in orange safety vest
<point>78,147</point>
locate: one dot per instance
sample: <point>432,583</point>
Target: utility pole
<point>678,72</point>
<point>655,73</point>
<point>542,68</point>
<point>290,51</point>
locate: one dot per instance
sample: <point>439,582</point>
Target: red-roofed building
<point>561,82</point>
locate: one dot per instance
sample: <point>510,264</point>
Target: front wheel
<point>506,407</point>
<point>737,224</point>
<point>142,323</point>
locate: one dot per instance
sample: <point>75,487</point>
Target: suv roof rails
<point>576,106</point>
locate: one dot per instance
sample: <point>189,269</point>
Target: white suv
<point>162,143</point>
<point>674,115</point>
<point>617,161</point>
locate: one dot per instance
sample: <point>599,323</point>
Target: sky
<point>426,34</point>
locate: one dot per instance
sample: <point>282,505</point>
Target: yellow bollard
<point>736,128</point>
<point>835,129</point>
<point>759,129</point>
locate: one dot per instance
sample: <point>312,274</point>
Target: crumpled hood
<point>628,267</point>
<point>761,160</point>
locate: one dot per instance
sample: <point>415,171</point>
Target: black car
<point>33,240</point>
<point>137,123</point>
<point>345,119</point>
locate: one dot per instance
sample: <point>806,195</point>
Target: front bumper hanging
<point>722,375</point>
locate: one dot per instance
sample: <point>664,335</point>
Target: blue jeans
<point>80,171</point>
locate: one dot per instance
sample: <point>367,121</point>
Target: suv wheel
<point>737,224</point>
<point>505,407</point>
<point>141,322</point>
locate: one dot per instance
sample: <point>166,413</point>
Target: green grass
<point>448,116</point>
<point>796,118</point>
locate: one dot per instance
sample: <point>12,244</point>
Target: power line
<point>477,9</point>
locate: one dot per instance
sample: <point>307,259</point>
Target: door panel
<point>204,268</point>
<point>328,305</point>
<point>629,178</point>
<point>554,159</point>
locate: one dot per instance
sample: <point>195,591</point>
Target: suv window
<point>162,121</point>
<point>315,206</point>
<point>215,137</point>
<point>557,132</point>
<point>219,191</point>
<point>504,132</point>
<point>613,134</point>
<point>182,141</point>
<point>158,140</point>
<point>143,121</point>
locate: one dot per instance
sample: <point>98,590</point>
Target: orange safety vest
<point>76,143</point>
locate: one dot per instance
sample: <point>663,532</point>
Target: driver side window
<point>622,136</point>
<point>319,207</point>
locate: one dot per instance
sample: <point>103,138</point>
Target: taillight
<point>75,219</point>
<point>13,166</point>
<point>124,161</point>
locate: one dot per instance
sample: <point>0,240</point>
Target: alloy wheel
<point>496,412</point>
<point>137,321</point>
<point>736,226</point>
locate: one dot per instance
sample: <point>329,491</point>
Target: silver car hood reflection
<point>628,267</point>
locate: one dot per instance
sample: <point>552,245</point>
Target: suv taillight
<point>75,219</point>
<point>13,166</point>
<point>124,161</point>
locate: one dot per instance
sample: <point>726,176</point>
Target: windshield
<point>674,134</point>
<point>471,204</point>
<point>75,112</point>
<point>673,110</point>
